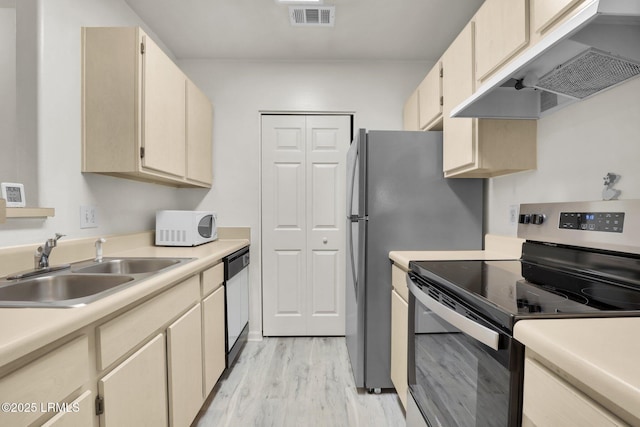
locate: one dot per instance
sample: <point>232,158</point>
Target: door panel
<point>164,93</point>
<point>328,141</point>
<point>303,205</point>
<point>283,215</point>
<point>289,205</point>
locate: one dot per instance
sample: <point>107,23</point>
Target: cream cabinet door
<point>502,30</point>
<point>81,414</point>
<point>410,112</point>
<point>399,343</point>
<point>163,112</point>
<point>135,392</point>
<point>184,358</point>
<point>303,223</point>
<point>459,138</point>
<point>430,97</point>
<point>213,333</point>
<point>546,12</point>
<point>199,135</point>
<point>548,401</point>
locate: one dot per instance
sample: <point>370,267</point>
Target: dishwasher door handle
<point>476,331</point>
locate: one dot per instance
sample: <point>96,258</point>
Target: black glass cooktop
<point>506,291</point>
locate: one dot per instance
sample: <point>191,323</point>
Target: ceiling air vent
<point>323,16</point>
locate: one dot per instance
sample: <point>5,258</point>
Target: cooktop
<point>508,290</point>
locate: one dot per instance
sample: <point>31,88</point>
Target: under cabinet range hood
<point>596,49</point>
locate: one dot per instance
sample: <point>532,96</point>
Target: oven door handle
<point>484,335</point>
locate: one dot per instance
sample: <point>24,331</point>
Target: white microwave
<point>185,228</point>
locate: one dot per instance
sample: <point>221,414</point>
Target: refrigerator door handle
<point>351,256</point>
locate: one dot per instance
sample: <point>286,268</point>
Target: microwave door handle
<point>468,326</point>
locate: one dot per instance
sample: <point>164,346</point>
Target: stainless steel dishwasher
<point>236,282</point>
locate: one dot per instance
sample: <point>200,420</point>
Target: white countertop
<point>496,247</point>
<point>23,330</point>
<point>599,355</point>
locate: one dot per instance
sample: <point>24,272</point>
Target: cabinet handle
<point>325,240</point>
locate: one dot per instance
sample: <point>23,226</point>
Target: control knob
<point>537,219</point>
<point>524,219</point>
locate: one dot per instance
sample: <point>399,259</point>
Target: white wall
<point>577,147</point>
<point>374,92</point>
<point>122,205</point>
<point>8,146</point>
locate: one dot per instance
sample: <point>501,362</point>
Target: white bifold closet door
<point>303,223</point>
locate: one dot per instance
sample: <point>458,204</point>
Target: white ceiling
<point>260,29</point>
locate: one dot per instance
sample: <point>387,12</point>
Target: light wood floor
<point>297,382</point>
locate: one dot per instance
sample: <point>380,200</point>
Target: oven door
<point>469,375</point>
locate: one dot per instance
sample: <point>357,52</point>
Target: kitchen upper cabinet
<point>163,111</point>
<point>410,112</point>
<point>479,148</point>
<point>142,118</point>
<point>430,98</point>
<point>459,145</point>
<point>135,392</point>
<point>545,13</point>
<point>549,400</point>
<point>502,30</point>
<point>199,133</point>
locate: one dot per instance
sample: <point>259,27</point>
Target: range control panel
<point>612,225</point>
<point>611,222</point>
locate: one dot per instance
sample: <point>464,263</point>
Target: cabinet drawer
<point>548,400</point>
<point>212,279</point>
<point>116,337</point>
<point>399,281</point>
<point>50,378</point>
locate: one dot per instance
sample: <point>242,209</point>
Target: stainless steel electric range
<point>579,260</point>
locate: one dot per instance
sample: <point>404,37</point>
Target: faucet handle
<point>59,236</point>
<point>98,244</point>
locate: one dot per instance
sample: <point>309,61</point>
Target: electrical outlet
<point>88,217</point>
<point>513,214</point>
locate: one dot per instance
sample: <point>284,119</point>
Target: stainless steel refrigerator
<point>397,199</point>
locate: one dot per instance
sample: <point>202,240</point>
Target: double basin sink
<point>81,283</point>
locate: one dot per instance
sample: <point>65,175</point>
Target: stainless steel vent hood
<point>596,49</point>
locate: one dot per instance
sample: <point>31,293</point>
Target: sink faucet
<point>99,243</point>
<point>41,257</point>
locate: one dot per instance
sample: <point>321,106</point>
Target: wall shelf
<point>30,212</point>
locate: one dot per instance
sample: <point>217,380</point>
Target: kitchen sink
<point>128,265</point>
<point>63,289</point>
<point>85,282</point>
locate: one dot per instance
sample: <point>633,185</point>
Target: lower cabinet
<point>152,365</point>
<point>135,392</point>
<point>549,400</point>
<point>52,378</point>
<point>213,338</point>
<point>399,332</point>
<point>80,414</point>
<point>184,357</point>
<point>399,342</point>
